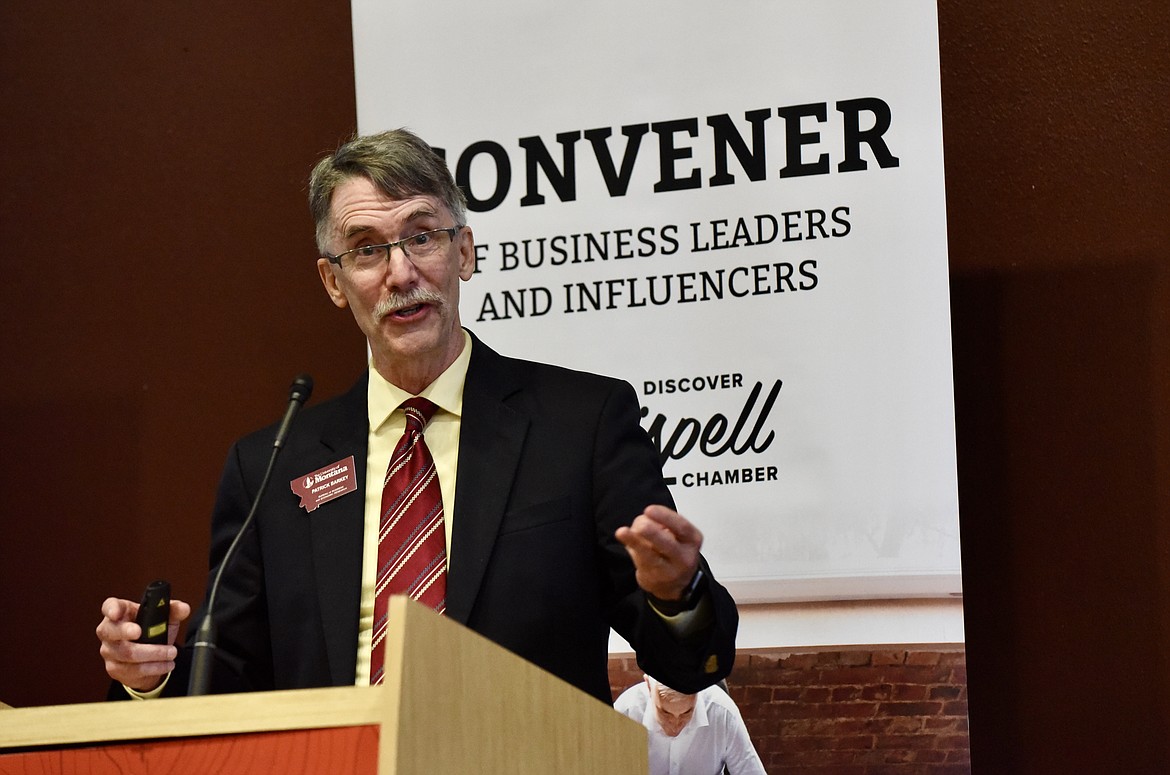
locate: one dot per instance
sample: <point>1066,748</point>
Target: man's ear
<point>329,280</point>
<point>466,253</point>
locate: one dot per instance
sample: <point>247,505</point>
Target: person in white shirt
<point>691,734</point>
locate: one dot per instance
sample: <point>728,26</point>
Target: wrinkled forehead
<point>358,205</point>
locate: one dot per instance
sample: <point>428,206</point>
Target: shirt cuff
<point>687,622</point>
<point>150,695</point>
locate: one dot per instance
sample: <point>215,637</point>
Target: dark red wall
<point>1058,203</point>
<point>159,293</point>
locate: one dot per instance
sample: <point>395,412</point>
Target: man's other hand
<point>664,546</point>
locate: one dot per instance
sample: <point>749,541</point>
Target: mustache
<point>412,298</point>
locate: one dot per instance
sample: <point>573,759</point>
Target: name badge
<point>325,484</point>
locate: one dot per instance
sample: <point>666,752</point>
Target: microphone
<point>298,394</point>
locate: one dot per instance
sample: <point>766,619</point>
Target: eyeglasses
<point>374,256</point>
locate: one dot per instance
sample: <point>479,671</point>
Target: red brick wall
<point>848,712</point>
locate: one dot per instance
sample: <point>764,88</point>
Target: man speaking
<point>520,499</point>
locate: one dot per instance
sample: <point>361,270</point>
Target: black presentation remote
<point>154,612</point>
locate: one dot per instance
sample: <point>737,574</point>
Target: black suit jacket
<point>551,462</point>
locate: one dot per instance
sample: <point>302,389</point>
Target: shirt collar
<point>699,718</point>
<point>446,391</point>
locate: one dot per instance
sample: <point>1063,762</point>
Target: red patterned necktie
<point>412,544</point>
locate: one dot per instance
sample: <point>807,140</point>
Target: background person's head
<point>674,710</point>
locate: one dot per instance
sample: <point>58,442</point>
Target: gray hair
<point>396,161</point>
<point>664,691</point>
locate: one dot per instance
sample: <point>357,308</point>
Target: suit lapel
<point>491,438</point>
<point>337,530</point>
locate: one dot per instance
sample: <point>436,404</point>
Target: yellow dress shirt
<point>387,424</point>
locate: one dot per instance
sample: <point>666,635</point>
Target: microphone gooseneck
<point>299,392</point>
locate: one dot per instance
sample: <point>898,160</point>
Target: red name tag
<point>325,484</point>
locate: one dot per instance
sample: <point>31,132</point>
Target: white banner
<point>739,208</point>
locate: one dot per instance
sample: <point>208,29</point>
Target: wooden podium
<point>452,703</point>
